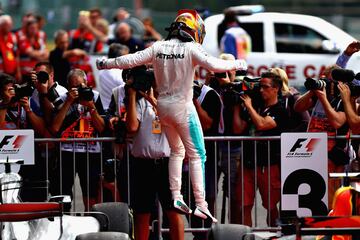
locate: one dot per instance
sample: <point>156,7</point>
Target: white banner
<point>17,145</point>
<point>304,174</point>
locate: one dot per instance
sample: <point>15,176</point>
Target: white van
<point>302,45</point>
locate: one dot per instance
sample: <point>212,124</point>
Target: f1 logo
<point>298,144</point>
<point>17,143</point>
<point>309,146</point>
<point>5,141</point>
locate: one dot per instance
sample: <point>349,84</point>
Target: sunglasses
<point>265,86</point>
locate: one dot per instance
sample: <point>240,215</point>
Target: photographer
<point>350,107</point>
<point>80,117</point>
<point>16,113</point>
<point>353,118</point>
<point>150,153</point>
<point>40,87</point>
<point>348,101</point>
<point>35,175</point>
<point>46,96</point>
<point>116,115</point>
<point>327,116</point>
<point>139,79</point>
<point>270,119</point>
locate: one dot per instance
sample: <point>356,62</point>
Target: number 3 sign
<point>304,174</point>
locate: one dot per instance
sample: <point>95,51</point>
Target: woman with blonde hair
<point>298,120</point>
<point>284,78</point>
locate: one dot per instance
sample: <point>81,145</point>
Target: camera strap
<point>156,124</point>
<point>11,116</point>
<point>348,147</point>
<point>119,96</point>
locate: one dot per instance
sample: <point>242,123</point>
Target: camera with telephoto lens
<point>54,97</point>
<point>85,93</point>
<point>316,84</point>
<point>338,75</point>
<point>139,78</point>
<point>42,76</point>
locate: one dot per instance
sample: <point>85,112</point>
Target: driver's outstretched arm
<point>126,61</point>
<point>200,57</point>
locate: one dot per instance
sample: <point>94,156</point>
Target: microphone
<point>344,75</point>
<point>357,76</point>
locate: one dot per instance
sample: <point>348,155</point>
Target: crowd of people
<point>164,124</point>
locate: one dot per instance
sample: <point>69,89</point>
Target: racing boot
<point>181,206</point>
<point>204,213</point>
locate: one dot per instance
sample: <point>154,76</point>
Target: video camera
<point>139,78</point>
<point>232,91</point>
<point>338,75</point>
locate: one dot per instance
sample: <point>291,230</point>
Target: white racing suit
<point>174,65</point>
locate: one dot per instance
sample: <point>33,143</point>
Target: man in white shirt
<point>111,78</point>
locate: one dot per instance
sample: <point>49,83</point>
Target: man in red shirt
<point>9,56</point>
<point>81,38</point>
<point>32,46</point>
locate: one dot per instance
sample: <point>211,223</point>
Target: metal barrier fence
<point>122,167</point>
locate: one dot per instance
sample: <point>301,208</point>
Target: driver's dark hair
<point>179,30</point>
